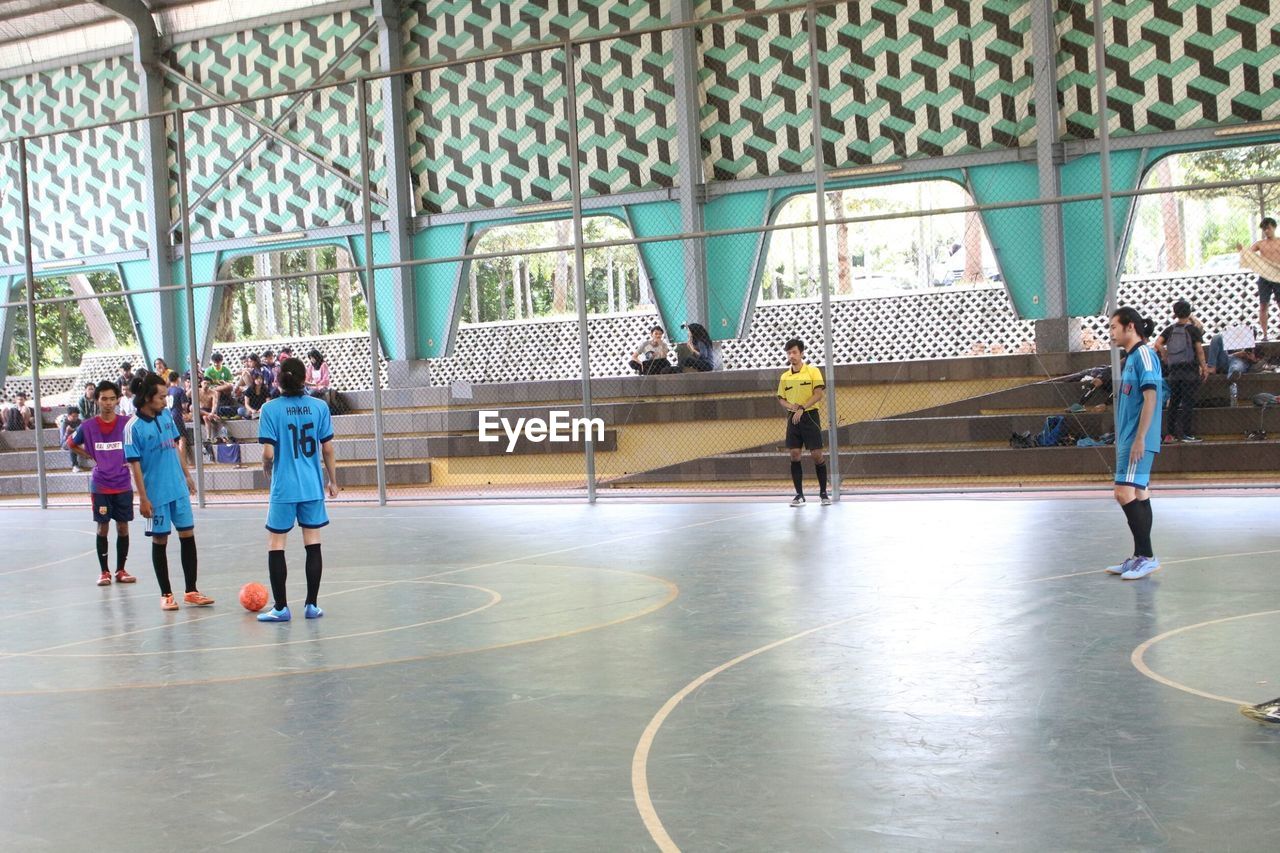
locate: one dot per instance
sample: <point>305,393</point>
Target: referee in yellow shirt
<point>800,390</point>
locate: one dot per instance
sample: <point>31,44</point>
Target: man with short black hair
<point>1181,346</point>
<point>220,384</point>
<point>651,355</point>
<point>101,438</point>
<point>19,416</point>
<point>1263,257</point>
<point>800,390</point>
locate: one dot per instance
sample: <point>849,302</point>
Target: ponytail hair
<point>145,387</point>
<point>1129,316</point>
<point>293,377</point>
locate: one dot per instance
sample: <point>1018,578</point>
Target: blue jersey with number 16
<point>296,427</point>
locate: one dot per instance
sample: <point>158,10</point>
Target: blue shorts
<point>281,515</point>
<point>117,507</point>
<point>176,513</point>
<point>1129,474</point>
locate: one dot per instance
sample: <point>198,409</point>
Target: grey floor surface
<point>891,674</point>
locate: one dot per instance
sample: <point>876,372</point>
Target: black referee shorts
<point>807,433</point>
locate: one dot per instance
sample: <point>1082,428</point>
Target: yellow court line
<point>1138,658</point>
<point>640,759</point>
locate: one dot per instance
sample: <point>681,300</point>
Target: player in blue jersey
<point>1138,407</point>
<point>164,486</point>
<point>296,432</point>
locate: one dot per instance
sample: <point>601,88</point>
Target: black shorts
<point>117,507</point>
<point>807,433</point>
<point>1266,289</point>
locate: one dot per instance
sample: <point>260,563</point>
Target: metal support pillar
<point>371,290</point>
<point>580,260</point>
<point>155,165</point>
<point>403,332</point>
<point>7,294</point>
<point>1044,76</point>
<point>1104,155</point>
<point>193,355</point>
<point>690,176</point>
<point>824,274</point>
<point>24,169</point>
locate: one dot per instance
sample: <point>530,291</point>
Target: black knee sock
<point>102,553</point>
<point>821,470</point>
<point>1142,530</point>
<point>160,562</point>
<point>1133,515</point>
<point>315,566</point>
<point>188,547</point>
<point>122,551</point>
<point>278,571</point>
<point>797,477</point>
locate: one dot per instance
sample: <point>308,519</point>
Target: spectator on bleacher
<point>255,398</point>
<point>178,405</point>
<point>220,384</point>
<point>270,373</point>
<point>317,374</point>
<point>699,354</point>
<point>1181,345</point>
<point>161,369</point>
<point>1233,351</point>
<point>87,405</point>
<point>68,424</point>
<point>126,374</point>
<point>209,408</point>
<point>651,355</point>
<point>126,408</point>
<point>19,416</point>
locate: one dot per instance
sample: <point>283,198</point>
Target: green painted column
<point>664,261</point>
<point>384,290</point>
<point>1082,225</point>
<point>1015,233</point>
<point>8,293</point>
<point>438,287</point>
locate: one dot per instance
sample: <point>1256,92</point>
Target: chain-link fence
<point>572,268</point>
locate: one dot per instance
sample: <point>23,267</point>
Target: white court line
<point>1140,664</point>
<point>277,820</point>
<point>640,759</point>
<point>79,556</point>
<point>1162,562</point>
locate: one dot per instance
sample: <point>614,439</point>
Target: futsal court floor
<point>924,673</point>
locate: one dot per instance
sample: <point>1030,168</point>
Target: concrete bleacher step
<point>904,466</point>
<point>1052,396</point>
<point>225,478</point>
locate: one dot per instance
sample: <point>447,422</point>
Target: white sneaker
<point>1140,569</point>
<point>1122,568</point>
<point>826,501</point>
<point>798,500</point>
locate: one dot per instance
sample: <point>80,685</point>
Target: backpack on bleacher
<point>1181,349</point>
<point>1053,433</point>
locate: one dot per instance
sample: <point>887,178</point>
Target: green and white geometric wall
<point>925,80</point>
<point>275,188</point>
<point>86,186</point>
<point>1172,65</point>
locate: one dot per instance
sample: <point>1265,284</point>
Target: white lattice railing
<point>942,323</point>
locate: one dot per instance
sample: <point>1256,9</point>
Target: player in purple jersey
<point>101,438</point>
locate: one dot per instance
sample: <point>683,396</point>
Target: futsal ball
<point>253,597</point>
